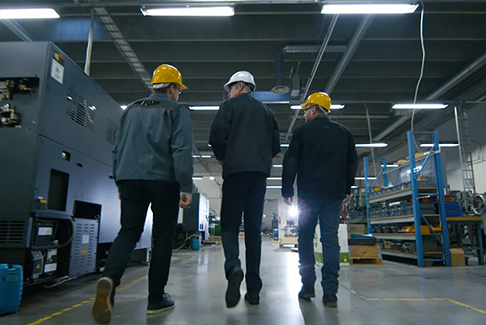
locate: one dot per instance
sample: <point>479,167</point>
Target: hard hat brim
<point>183,87</point>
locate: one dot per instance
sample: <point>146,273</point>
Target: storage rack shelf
<point>400,219</point>
<point>413,192</point>
<point>402,194</point>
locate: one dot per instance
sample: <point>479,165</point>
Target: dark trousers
<point>136,195</point>
<point>327,212</point>
<point>243,193</point>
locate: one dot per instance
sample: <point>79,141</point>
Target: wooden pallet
<point>365,260</point>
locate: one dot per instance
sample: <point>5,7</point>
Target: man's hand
<point>347,199</point>
<point>119,196</point>
<point>185,201</point>
<point>289,200</point>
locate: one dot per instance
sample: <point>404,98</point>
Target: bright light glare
<point>190,11</point>
<point>284,145</point>
<point>28,13</point>
<point>201,156</point>
<point>395,8</point>
<point>420,106</point>
<point>274,178</point>
<point>124,107</point>
<point>361,178</point>
<point>278,166</point>
<point>204,108</point>
<point>371,145</point>
<point>274,186</point>
<point>293,211</point>
<point>445,145</point>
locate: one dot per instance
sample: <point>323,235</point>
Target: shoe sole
<point>234,283</point>
<point>331,304</point>
<point>307,296</point>
<point>161,310</point>
<point>102,306</point>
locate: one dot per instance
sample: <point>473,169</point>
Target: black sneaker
<point>164,305</point>
<point>235,276</point>
<point>330,301</point>
<point>307,293</point>
<point>252,298</point>
<point>103,303</point>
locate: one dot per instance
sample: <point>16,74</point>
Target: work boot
<point>103,303</point>
<point>330,301</point>
<point>166,304</point>
<point>307,293</point>
<point>235,276</point>
<point>252,298</point>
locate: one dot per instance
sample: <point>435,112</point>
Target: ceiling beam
<point>18,30</point>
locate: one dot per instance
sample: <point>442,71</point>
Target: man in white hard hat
<point>152,163</point>
<point>323,156</point>
<point>244,138</point>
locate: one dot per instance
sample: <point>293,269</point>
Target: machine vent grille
<point>111,129</point>
<point>12,232</point>
<point>80,111</point>
<point>83,247</point>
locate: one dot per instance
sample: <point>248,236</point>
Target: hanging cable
<point>421,67</point>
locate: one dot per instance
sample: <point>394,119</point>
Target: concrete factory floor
<point>389,294</point>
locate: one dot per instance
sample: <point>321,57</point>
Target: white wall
<point>212,191</point>
<point>477,135</point>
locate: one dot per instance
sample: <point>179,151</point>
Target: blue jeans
<point>327,212</point>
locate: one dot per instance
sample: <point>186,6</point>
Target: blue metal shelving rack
<point>415,192</point>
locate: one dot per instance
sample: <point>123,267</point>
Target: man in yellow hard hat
<point>244,138</point>
<point>152,164</point>
<point>323,156</point>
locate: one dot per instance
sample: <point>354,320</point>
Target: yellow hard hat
<point>321,99</point>
<point>166,73</point>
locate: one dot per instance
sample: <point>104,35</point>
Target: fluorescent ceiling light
<point>392,8</point>
<point>274,178</point>
<point>333,106</point>
<point>371,145</point>
<point>209,145</point>
<point>189,11</point>
<point>276,102</point>
<point>391,166</point>
<point>123,107</point>
<point>284,145</point>
<point>197,178</point>
<point>445,145</point>
<point>420,106</point>
<point>28,13</point>
<point>354,186</point>
<point>211,178</point>
<point>274,186</point>
<point>361,178</point>
<point>201,156</point>
<point>278,166</point>
<point>204,108</point>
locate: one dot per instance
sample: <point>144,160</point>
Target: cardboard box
<point>458,257</point>
<point>356,229</point>
<point>363,251</point>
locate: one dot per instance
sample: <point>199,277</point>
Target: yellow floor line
<point>419,299</point>
<point>93,298</point>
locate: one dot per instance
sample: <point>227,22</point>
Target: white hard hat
<point>240,76</point>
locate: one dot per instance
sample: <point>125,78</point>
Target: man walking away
<point>244,138</point>
<point>152,163</point>
<point>322,154</point>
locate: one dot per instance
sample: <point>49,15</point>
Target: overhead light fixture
<point>284,145</point>
<point>391,166</point>
<point>420,106</point>
<point>123,107</point>
<point>333,106</point>
<point>40,13</point>
<point>204,108</point>
<point>354,186</point>
<point>445,145</point>
<point>371,145</point>
<point>197,178</point>
<point>209,145</point>
<point>211,178</point>
<point>385,8</point>
<point>278,166</point>
<point>189,11</point>
<point>274,186</point>
<point>276,102</point>
<point>201,156</point>
<point>274,178</point>
<point>361,178</point>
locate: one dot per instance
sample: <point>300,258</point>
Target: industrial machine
<point>59,209</point>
